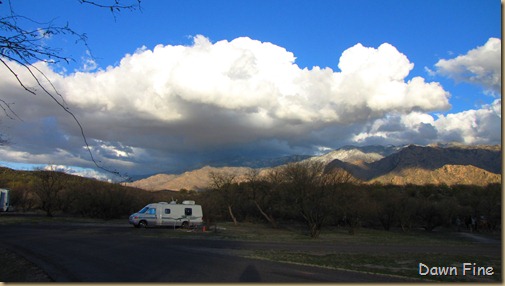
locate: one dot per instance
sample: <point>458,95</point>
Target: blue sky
<point>392,43</point>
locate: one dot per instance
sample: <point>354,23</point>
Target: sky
<point>181,84</point>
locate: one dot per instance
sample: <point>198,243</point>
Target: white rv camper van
<point>4,200</point>
<point>185,215</point>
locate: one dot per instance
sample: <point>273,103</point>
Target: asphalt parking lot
<point>73,252</point>
<point>81,250</point>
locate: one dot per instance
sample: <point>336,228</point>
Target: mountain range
<point>412,164</point>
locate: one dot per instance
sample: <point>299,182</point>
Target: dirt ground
<point>15,268</point>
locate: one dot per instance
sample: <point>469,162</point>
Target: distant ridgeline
<point>449,164</point>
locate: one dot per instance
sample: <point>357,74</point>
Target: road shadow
<point>250,274</point>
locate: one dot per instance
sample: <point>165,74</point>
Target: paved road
<point>120,253</point>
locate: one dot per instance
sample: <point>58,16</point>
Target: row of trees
<point>55,192</point>
<point>305,193</point>
<point>295,193</point>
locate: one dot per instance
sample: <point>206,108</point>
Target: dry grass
<point>397,264</point>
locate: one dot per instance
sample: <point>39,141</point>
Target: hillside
<point>151,183</point>
<point>429,158</point>
<point>192,180</point>
<point>434,164</point>
<point>448,174</point>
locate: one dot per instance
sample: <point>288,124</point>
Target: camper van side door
<point>167,218</point>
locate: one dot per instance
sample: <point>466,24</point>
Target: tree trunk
<point>232,216</point>
<point>270,219</point>
<point>385,221</point>
<point>315,230</point>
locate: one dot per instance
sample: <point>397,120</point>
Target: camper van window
<point>167,211</point>
<point>143,210</point>
<point>151,211</point>
<point>188,211</point>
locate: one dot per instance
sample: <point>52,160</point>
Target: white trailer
<point>187,214</point>
<point>4,200</point>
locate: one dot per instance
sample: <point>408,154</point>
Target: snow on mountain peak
<point>348,156</point>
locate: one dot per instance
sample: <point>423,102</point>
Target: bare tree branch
<point>25,46</point>
<point>115,6</point>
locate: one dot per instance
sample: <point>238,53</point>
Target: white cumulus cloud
<point>481,66</point>
<point>256,79</point>
<point>479,126</point>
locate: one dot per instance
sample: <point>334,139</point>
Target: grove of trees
<point>297,194</point>
<point>304,193</point>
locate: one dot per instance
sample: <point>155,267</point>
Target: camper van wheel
<point>142,224</point>
<point>185,224</point>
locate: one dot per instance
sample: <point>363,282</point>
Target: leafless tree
<point>310,190</point>
<point>261,195</point>
<point>224,183</point>
<point>50,184</point>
